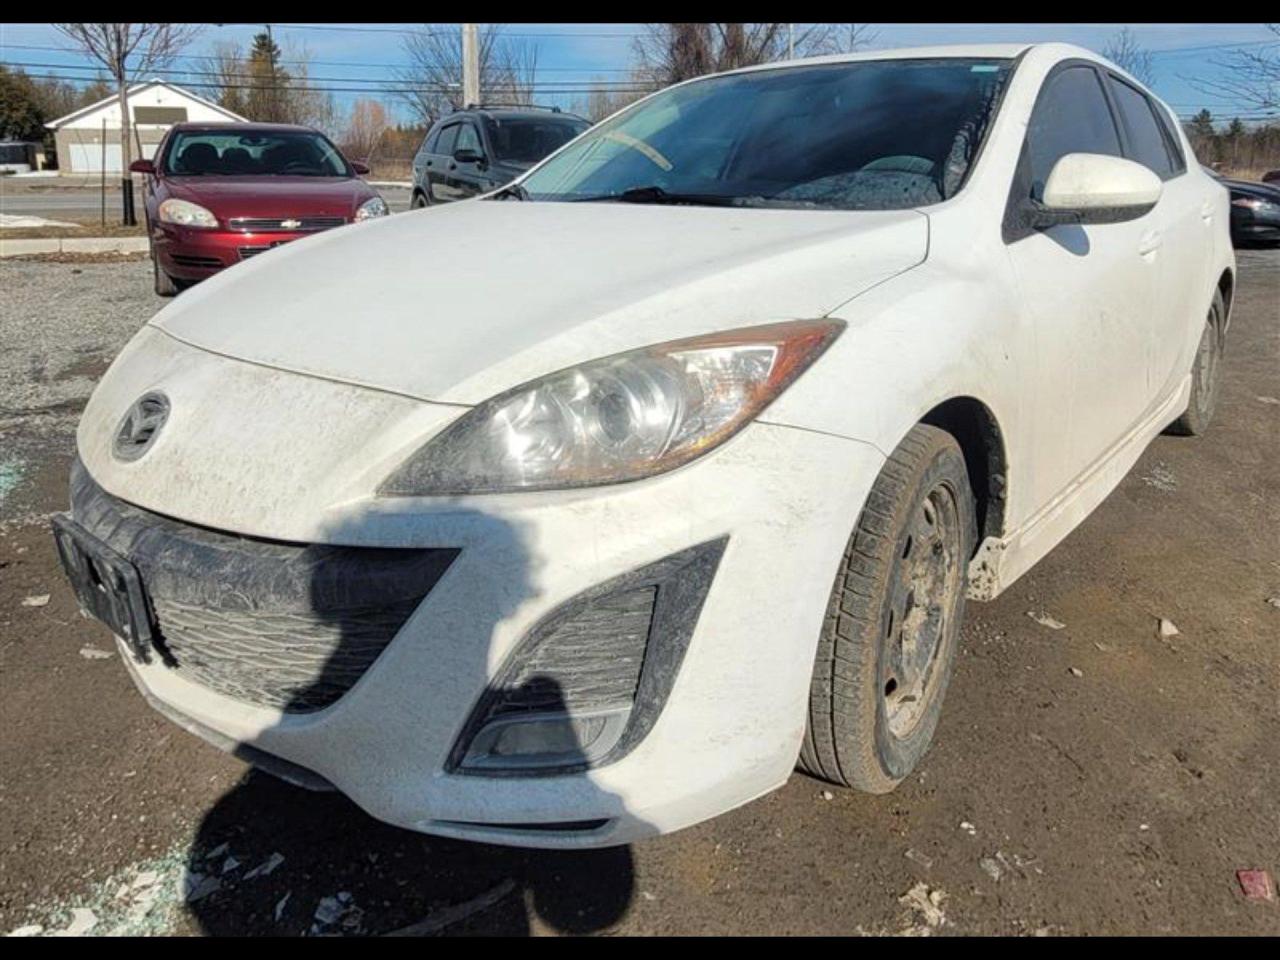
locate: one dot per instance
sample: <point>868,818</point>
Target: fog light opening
<point>540,740</point>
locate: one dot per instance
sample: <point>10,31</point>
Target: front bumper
<point>191,254</point>
<point>729,730</point>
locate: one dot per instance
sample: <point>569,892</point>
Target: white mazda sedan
<point>587,509</point>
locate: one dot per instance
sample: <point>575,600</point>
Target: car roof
<point>246,128</point>
<point>515,113</point>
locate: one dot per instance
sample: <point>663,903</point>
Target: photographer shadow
<point>271,858</point>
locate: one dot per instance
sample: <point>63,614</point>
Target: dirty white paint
<point>346,351</point>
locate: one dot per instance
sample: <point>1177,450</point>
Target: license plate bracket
<point>107,584</point>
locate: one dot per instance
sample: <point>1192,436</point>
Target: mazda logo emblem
<point>140,425</point>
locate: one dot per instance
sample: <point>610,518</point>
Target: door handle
<point>1206,213</point>
<point>453,166</point>
<point>1149,243</point>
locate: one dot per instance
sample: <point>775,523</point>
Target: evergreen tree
<point>1201,125</point>
<point>20,115</point>
<point>267,98</point>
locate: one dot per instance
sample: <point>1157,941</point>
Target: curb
<point>22,248</point>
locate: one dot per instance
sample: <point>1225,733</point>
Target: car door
<point>440,189</point>
<point>1184,220</point>
<point>422,161</point>
<point>468,165</point>
<point>1086,292</point>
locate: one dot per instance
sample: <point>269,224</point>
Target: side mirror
<point>466,155</point>
<point>1087,188</point>
<point>361,169</point>
<point>143,166</point>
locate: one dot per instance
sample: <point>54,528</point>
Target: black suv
<point>479,149</point>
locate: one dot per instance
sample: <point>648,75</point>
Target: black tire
<point>166,286</point>
<point>418,202</point>
<point>1206,374</point>
<point>865,730</point>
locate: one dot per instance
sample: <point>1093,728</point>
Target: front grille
<point>295,661</point>
<point>284,625</point>
<point>183,260</point>
<point>295,224</point>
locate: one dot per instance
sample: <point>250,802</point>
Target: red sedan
<point>219,193</point>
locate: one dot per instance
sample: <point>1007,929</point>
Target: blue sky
<point>365,55</point>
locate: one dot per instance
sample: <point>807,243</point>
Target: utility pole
<point>470,65</point>
<point>791,41</point>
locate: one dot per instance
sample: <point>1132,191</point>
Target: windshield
<point>294,153</point>
<point>529,139</point>
<point>865,135</point>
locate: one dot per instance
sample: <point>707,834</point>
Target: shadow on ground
<point>381,879</point>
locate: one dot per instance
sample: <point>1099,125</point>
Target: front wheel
<point>1206,374</point>
<point>418,202</point>
<point>893,621</point>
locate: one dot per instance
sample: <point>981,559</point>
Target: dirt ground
<point>1093,779</point>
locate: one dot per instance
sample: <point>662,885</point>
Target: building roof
<point>138,88</point>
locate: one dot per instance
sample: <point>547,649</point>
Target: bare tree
<point>364,129</point>
<point>1249,75</point>
<point>671,52</point>
<point>128,51</point>
<point>433,77</point>
<point>1126,53</point>
<point>603,99</point>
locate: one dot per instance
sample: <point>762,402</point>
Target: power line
<point>391,85</point>
<point>307,86</point>
<point>403,30</point>
<point>326,63</point>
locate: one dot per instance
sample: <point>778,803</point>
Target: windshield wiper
<point>511,190</point>
<point>656,194</point>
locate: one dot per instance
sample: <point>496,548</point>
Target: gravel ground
<point>1088,779</point>
<point>61,325</point>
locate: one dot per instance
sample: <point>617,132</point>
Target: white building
<point>154,107</point>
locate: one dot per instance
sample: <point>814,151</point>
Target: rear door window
<point>1148,144</point>
<point>1071,116</point>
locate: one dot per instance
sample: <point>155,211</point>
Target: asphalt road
<point>1091,779</point>
<point>83,200</point>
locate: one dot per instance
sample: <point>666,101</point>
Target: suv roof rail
<point>513,106</point>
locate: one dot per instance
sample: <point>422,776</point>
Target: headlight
<point>619,418</point>
<point>186,214</point>
<point>377,207</point>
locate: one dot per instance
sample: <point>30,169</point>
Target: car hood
<point>273,196</point>
<point>459,302</point>
<point>1263,191</point>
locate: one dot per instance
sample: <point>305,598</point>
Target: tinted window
<point>529,139</point>
<point>1071,116</point>
<point>865,135</point>
<point>446,139</point>
<point>429,144</point>
<point>468,139</point>
<point>1147,142</point>
<point>195,153</point>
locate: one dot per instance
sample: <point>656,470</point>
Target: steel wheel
<point>917,620</point>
